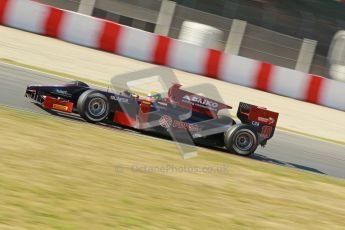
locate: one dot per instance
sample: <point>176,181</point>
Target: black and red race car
<point>180,113</point>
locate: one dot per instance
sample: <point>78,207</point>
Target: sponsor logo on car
<point>119,99</point>
<point>63,92</point>
<point>167,122</point>
<point>255,123</point>
<point>60,107</point>
<point>265,120</point>
<point>200,101</point>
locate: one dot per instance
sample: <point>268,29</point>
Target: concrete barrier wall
<point>130,42</point>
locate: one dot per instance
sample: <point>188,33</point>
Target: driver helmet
<point>154,96</point>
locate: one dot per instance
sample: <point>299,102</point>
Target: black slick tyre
<point>241,139</point>
<point>93,106</point>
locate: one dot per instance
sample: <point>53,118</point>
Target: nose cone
<point>30,87</point>
<point>30,91</point>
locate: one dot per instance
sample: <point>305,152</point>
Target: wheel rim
<point>244,141</point>
<point>97,107</point>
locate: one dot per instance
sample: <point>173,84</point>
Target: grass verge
<point>101,84</point>
<point>58,174</point>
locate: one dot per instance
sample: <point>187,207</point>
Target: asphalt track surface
<point>287,149</point>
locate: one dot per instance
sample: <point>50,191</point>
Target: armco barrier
<point>130,42</point>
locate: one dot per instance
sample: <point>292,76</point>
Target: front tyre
<point>241,139</point>
<point>93,106</point>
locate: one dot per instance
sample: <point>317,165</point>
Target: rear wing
<point>264,121</point>
<point>198,103</point>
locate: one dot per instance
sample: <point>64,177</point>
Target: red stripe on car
<point>124,119</point>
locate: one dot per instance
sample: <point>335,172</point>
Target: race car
<point>179,114</point>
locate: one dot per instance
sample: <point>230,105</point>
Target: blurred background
<point>306,35</point>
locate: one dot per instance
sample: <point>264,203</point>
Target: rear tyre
<point>93,106</point>
<point>241,139</point>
